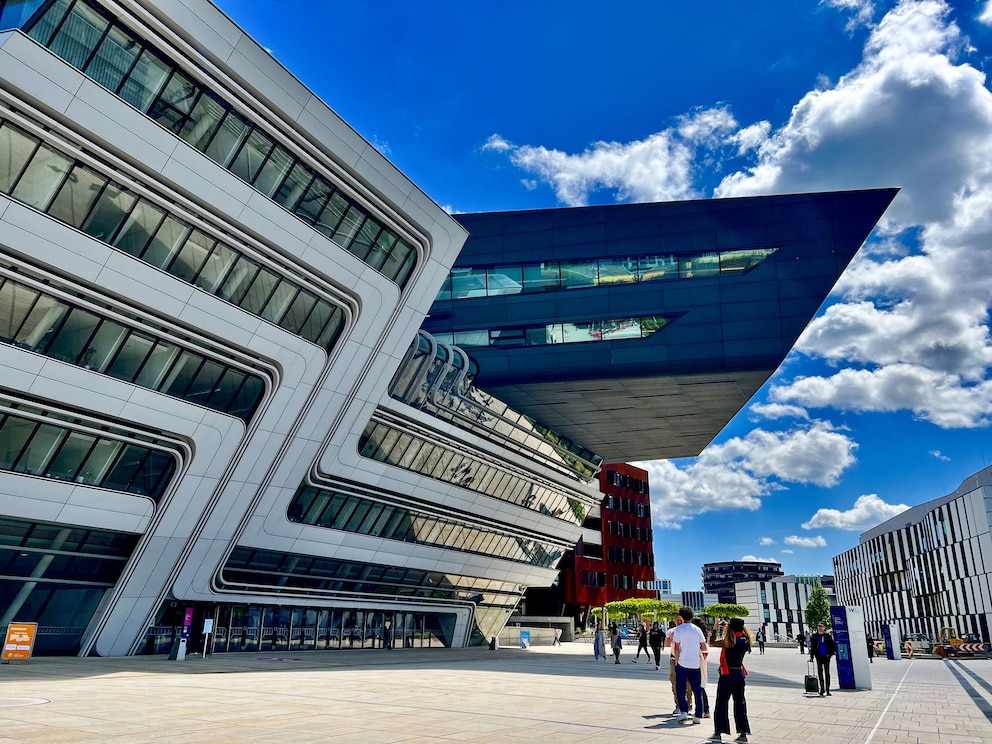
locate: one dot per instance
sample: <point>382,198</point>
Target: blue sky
<point>886,401</point>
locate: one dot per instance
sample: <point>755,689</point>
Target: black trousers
<point>823,672</point>
<point>730,685</point>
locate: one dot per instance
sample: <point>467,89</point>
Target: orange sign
<point>20,641</point>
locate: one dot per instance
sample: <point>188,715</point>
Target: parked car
<point>921,644</point>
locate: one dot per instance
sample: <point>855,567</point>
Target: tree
<point>817,607</point>
<point>726,610</point>
<point>641,606</point>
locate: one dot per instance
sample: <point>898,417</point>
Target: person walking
<point>616,642</point>
<point>871,648</point>
<point>642,642</point>
<point>734,644</point>
<point>557,639</point>
<point>703,674</point>
<point>656,638</point>
<point>760,638</point>
<point>802,643</point>
<point>822,648</point>
<point>688,644</point>
<point>671,668</point>
<point>597,643</point>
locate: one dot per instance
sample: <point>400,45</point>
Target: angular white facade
<point>210,281</point>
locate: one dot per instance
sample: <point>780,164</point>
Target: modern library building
<point>251,374</point>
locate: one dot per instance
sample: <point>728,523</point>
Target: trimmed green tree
<point>817,607</point>
<point>726,610</point>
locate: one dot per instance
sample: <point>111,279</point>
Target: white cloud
<point>756,559</point>
<point>787,551</point>
<point>940,455</point>
<point>985,16</point>
<point>806,542</point>
<point>496,143</point>
<point>766,541</point>
<point>868,511</point>
<point>862,11</point>
<point>740,472</point>
<point>777,411</point>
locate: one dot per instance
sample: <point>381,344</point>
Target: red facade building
<point>622,563</point>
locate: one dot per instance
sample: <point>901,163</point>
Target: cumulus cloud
<point>806,542</point>
<point>777,411</point>
<point>788,551</point>
<point>862,11</point>
<point>985,16</point>
<point>740,472</point>
<point>766,541</point>
<point>756,559</point>
<point>868,511</point>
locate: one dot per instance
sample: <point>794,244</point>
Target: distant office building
<point>662,588</point>
<point>928,568</point>
<point>721,578</point>
<point>778,605</point>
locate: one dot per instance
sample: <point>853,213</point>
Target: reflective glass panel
<point>349,226</point>
<point>578,274</point>
<point>42,30</point>
<point>103,345</point>
<point>74,335</point>
<point>230,134</point>
<point>314,199</point>
<point>99,461</point>
<point>293,187</point>
<point>238,280</point>
<point>298,311</point>
<point>76,197</point>
<point>203,121</point>
<point>156,365</point>
<point>541,277</point>
<point>206,380</point>
<point>215,269</point>
<point>79,35</point>
<point>253,153</point>
<point>126,467</point>
<point>182,374</point>
<point>130,357</point>
<point>192,255</point>
<point>166,242</point>
<point>139,227</point>
<point>14,434</point>
<point>71,456</point>
<point>16,148</point>
<point>16,302</point>
<point>41,323</point>
<point>279,301</point>
<point>504,280</point>
<point>42,177</point>
<point>651,268</point>
<point>114,58</point>
<point>226,389</point>
<point>112,207</point>
<point>332,213</point>
<point>365,238</point>
<point>617,271</point>
<point>40,449</point>
<point>259,292</point>
<point>145,80</point>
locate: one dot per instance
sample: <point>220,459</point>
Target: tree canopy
<point>817,608</point>
<point>726,610</point>
<point>641,606</point>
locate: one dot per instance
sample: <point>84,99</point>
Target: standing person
<point>733,645</point>
<point>671,667</point>
<point>871,648</point>
<point>657,639</point>
<point>821,648</point>
<point>597,642</point>
<point>802,643</point>
<point>688,644</point>
<point>616,642</point>
<point>642,642</point>
<point>760,638</point>
<point>703,672</point>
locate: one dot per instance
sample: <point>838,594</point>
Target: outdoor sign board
<point>19,643</point>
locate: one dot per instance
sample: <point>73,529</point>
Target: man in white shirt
<point>688,644</point>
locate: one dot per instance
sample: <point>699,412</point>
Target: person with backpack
<point>734,645</point>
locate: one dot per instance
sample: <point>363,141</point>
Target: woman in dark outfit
<point>735,643</point>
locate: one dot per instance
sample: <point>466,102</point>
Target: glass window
<point>293,187</point>
<point>226,389</point>
<point>217,265</point>
<point>365,238</point>
<point>40,449</point>
<point>42,178</point>
<point>332,213</point>
<point>230,134</point>
<point>316,321</point>
<point>253,153</point>
<point>156,365</point>
<point>332,329</point>
<point>145,80</point>
<point>617,271</point>
<point>279,301</point>
<point>42,30</point>
<point>111,209</point>
<point>41,323</point>
<point>382,248</point>
<point>71,456</point>
<point>313,201</point>
<point>504,280</point>
<point>203,120</point>
<point>578,274</point>
<point>468,282</point>
<point>405,256</point>
<point>16,302</point>
<point>14,434</point>
<point>125,468</point>
<point>139,227</point>
<point>191,256</point>
<point>259,292</point>
<point>206,380</point>
<point>131,356</point>
<point>74,200</point>
<point>152,477</point>
<point>74,335</point>
<point>541,277</point>
<point>79,35</point>
<point>99,461</point>
<point>104,345</point>
<point>239,280</point>
<point>247,399</point>
<point>175,102</point>
<point>166,242</point>
<point>298,311</point>
<point>651,268</point>
<point>706,264</point>
<point>16,149</point>
<point>114,58</point>
<point>182,374</point>
<point>349,226</point>
<point>274,171</point>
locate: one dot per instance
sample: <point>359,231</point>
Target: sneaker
<point>682,717</point>
<point>656,666</point>
<point>716,737</point>
<point>696,719</point>
<point>741,738</point>
<point>676,712</point>
<point>828,693</point>
<point>706,714</point>
<point>633,661</point>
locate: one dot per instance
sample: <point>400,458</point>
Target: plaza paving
<point>469,695</point>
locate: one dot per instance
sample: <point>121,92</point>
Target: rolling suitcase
<point>811,683</point>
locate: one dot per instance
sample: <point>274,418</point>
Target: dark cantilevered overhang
<point>664,318</point>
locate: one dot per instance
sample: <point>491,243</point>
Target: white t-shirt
<point>689,638</point>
